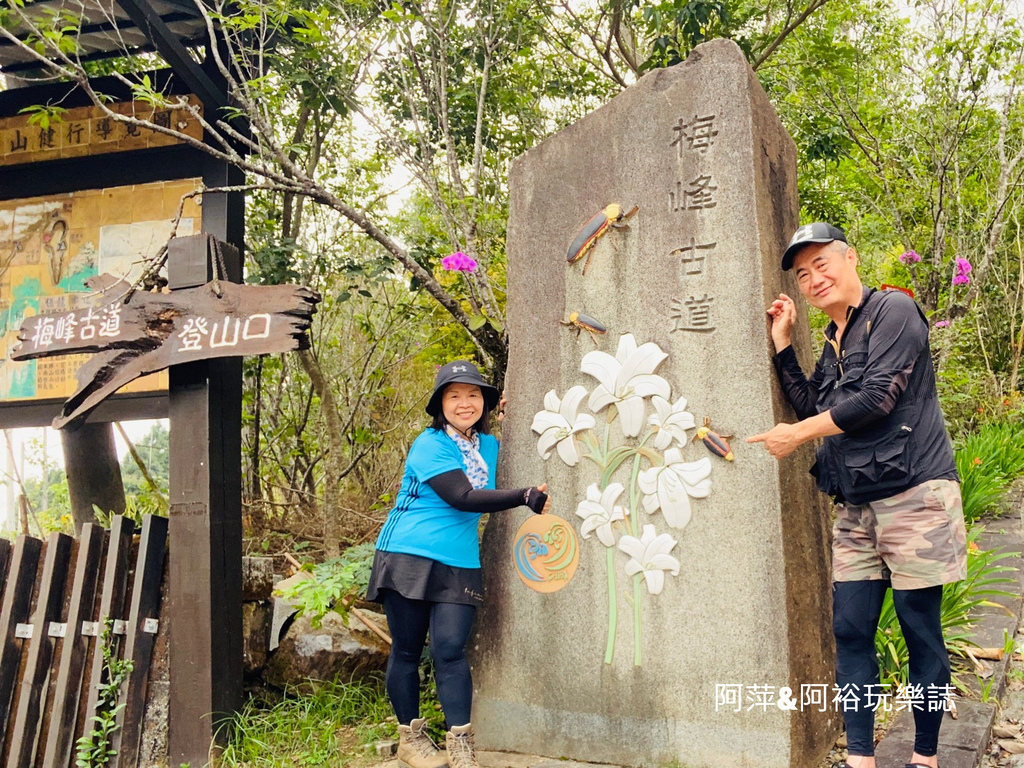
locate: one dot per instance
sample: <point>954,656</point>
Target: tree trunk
<point>94,475</point>
<point>334,462</point>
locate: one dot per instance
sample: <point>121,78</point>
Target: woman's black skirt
<point>420,578</point>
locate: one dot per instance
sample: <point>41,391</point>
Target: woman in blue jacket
<point>426,570</point>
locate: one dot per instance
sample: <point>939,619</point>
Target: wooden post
<point>31,698</point>
<point>205,591</point>
<point>17,599</point>
<point>94,474</point>
<point>143,620</point>
<point>73,652</point>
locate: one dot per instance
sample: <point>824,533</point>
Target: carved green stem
<point>634,493</point>
<point>637,621</point>
<point>613,610</point>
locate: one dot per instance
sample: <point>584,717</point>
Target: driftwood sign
<point>152,331</point>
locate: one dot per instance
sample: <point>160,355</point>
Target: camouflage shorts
<point>916,538</point>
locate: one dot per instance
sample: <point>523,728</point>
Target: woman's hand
<point>501,406</point>
<point>547,504</point>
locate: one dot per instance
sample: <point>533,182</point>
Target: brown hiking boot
<point>416,749</point>
<point>461,752</point>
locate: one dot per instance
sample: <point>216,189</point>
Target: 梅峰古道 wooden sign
<point>152,331</point>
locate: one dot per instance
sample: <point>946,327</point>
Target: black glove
<point>535,499</point>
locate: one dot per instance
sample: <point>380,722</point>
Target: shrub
<point>981,487</point>
<point>988,461</point>
<point>334,582</point>
<point>999,446</point>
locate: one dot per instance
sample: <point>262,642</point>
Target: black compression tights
<point>449,625</point>
<point>856,607</point>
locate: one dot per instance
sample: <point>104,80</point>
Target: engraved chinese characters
<point>96,328</point>
<point>693,140</point>
<point>90,131</point>
<point>196,332</point>
<point>74,327</point>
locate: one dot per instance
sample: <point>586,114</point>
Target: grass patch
<point>335,722</point>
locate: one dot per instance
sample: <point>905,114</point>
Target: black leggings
<point>449,625</point>
<point>856,606</point>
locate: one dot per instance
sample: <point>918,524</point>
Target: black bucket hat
<point>818,232</point>
<point>460,372</point>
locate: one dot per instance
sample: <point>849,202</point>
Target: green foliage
<point>678,26</point>
<point>907,119</point>
<point>44,115</point>
<point>93,748</point>
<point>154,450</point>
<point>980,489</point>
<point>333,582</point>
<point>985,577</point>
<point>322,728</point>
<point>999,447</point>
<point>988,462</point>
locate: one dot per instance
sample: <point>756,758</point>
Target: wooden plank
<point>60,739</point>
<point>17,600</point>
<point>140,639</point>
<point>115,579</point>
<point>40,652</point>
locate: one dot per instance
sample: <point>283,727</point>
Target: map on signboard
<point>49,247</point>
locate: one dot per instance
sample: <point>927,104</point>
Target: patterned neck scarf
<point>472,461</point>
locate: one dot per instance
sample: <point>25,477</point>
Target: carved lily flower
<point>670,487</point>
<point>558,424</point>
<point>626,380</point>
<point>599,512</point>
<point>650,554</point>
<point>670,420</point>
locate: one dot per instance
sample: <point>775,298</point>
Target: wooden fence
<point>57,597</point>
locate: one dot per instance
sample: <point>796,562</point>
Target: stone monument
<point>697,625</point>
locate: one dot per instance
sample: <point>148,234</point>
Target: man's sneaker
<point>416,749</point>
<point>461,752</point>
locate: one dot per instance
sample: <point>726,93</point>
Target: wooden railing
<point>57,597</point>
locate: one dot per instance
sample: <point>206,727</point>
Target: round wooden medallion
<point>546,552</point>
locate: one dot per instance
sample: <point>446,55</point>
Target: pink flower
<point>909,257</point>
<point>942,323</point>
<point>458,262</point>
<point>963,272</point>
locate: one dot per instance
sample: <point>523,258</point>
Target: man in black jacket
<point>887,461</point>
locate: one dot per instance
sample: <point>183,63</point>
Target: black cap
<point>460,372</point>
<point>818,232</point>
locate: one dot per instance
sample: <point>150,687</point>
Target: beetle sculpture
<point>592,231</point>
<point>582,322</point>
<point>714,442</point>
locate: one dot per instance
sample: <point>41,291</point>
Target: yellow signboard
<point>90,131</point>
<point>49,247</point>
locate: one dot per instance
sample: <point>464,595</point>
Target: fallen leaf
<point>1006,731</point>
<point>1012,746</point>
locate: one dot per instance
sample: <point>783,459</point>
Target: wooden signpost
<point>139,333</point>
